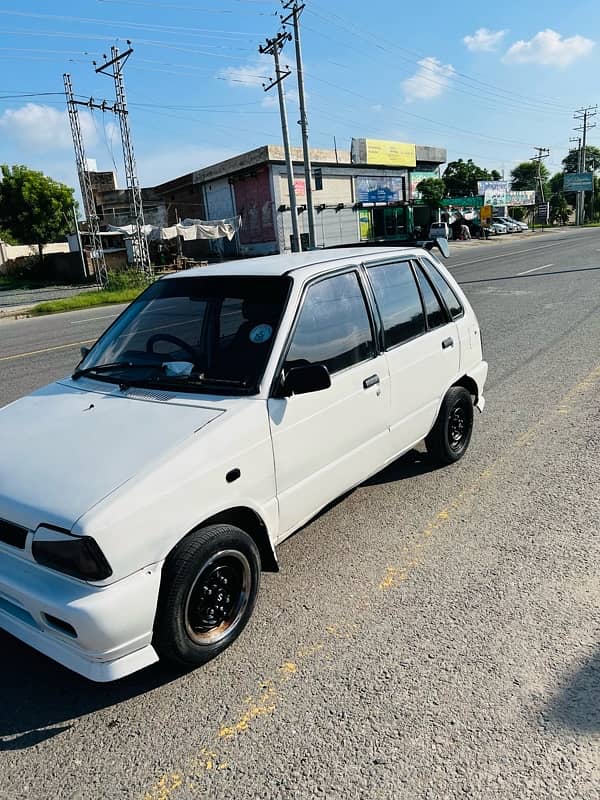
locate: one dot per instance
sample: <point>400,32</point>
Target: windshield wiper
<point>79,373</point>
<point>199,380</point>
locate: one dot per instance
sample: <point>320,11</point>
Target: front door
<point>328,441</point>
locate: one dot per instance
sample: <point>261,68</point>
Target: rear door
<point>421,345</point>
<point>326,442</point>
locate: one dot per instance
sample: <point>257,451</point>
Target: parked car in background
<point>142,496</point>
<point>521,226</point>
<point>440,230</point>
<point>509,224</point>
<point>498,227</point>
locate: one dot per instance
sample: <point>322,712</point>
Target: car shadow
<point>577,705</point>
<point>410,465</point>
<point>40,699</point>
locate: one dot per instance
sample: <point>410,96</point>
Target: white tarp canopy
<point>189,229</point>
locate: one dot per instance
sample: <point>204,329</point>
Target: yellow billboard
<point>392,154</point>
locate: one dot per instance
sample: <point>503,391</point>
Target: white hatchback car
<point>141,497</point>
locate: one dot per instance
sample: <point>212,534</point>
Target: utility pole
<point>584,114</point>
<point>542,153</point>
<point>296,10</point>
<point>87,194</point>
<point>578,194</point>
<point>273,48</point>
<point>141,255</point>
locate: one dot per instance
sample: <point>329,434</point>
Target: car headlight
<point>78,556</point>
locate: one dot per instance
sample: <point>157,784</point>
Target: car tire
<point>208,590</point>
<point>449,438</point>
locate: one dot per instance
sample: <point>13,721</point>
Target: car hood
<point>69,445</point>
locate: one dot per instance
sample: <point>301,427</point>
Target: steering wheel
<point>168,337</point>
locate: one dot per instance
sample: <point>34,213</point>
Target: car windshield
<point>208,334</point>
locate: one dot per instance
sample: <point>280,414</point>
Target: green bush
<point>126,279</point>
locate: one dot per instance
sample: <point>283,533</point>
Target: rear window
<point>452,302</point>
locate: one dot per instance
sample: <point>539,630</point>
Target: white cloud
<point>253,74</point>
<point>484,39</point>
<point>549,47</point>
<point>40,128</point>
<point>429,80</point>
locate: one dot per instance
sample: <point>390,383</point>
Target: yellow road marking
<point>46,350</point>
<point>265,704</point>
<point>164,787</point>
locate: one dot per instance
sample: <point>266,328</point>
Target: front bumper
<point>112,624</point>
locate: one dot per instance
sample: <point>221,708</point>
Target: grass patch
<point>86,300</point>
<point>7,283</point>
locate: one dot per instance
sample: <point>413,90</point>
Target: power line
<point>413,56</point>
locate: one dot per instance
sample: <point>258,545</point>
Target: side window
<point>436,315</point>
<point>398,300</point>
<point>452,302</point>
<point>333,327</point>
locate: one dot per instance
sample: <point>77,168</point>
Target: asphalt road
<point>432,635</point>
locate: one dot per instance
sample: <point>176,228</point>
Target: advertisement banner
<point>463,202</point>
<point>485,215</point>
<point>520,198</point>
<point>492,186</point>
<point>364,219</point>
<point>494,197</point>
<point>393,154</point>
<point>416,178</point>
<point>380,190</point>
<point>578,182</point>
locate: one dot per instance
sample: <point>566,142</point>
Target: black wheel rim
<point>458,426</point>
<point>218,597</point>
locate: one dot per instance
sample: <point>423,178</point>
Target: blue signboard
<point>578,182</point>
<point>380,190</point>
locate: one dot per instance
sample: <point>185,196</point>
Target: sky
<point>486,81</point>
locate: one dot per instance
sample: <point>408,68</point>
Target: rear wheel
<point>208,591</point>
<point>449,438</point>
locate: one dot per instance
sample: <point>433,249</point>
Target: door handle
<point>373,380</point>
<point>449,342</point>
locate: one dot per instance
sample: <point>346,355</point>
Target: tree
<point>461,177</point>
<point>560,210</point>
<point>432,191</point>
<point>556,182</point>
<point>34,209</point>
<point>592,159</point>
<point>524,176</point>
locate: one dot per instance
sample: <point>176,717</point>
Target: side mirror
<point>305,379</point>
<point>84,352</point>
<point>441,244</point>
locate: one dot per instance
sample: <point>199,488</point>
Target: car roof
<point>309,262</point>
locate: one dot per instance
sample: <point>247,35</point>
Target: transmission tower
<point>96,254</point>
<point>141,255</point>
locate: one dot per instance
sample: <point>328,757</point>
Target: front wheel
<point>208,591</point>
<point>449,438</point>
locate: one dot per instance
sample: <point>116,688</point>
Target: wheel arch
<point>470,385</point>
<point>251,523</point>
